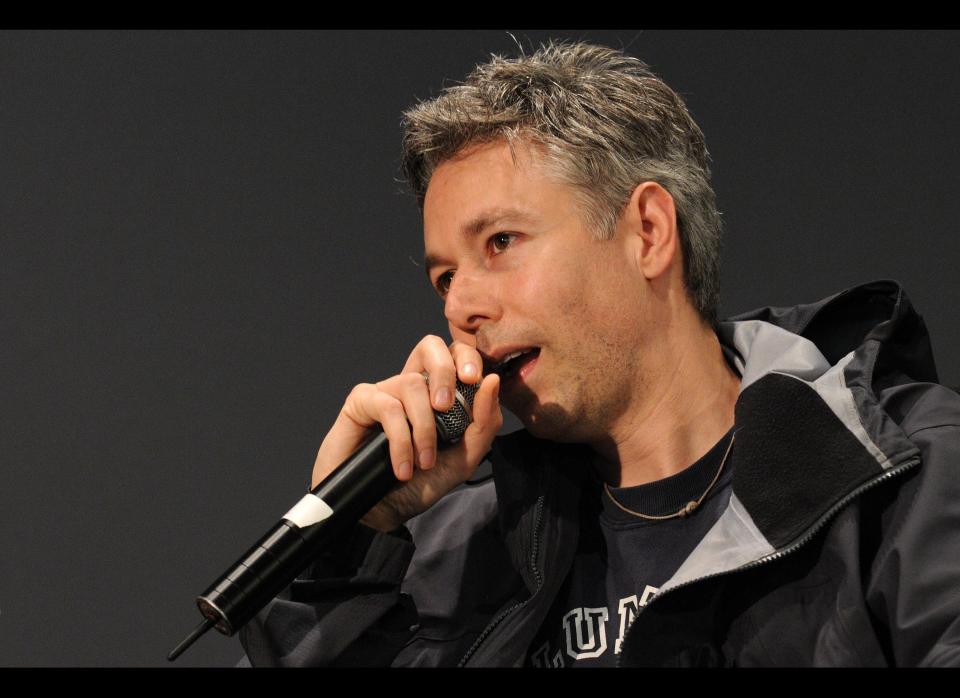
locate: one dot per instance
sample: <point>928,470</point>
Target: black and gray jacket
<point>840,545</point>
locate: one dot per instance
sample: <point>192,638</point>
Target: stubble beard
<point>585,396</point>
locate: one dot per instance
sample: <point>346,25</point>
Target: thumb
<point>487,420</point>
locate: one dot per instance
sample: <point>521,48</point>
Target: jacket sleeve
<point>915,581</point>
<point>346,609</point>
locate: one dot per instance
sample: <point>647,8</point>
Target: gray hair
<point>605,124</point>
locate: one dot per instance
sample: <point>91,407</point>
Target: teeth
<point>510,357</point>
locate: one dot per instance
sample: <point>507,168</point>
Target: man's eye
<point>501,241</point>
<point>443,282</point>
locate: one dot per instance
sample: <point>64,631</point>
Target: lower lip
<point>527,367</point>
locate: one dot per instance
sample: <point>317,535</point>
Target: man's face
<point>518,269</point>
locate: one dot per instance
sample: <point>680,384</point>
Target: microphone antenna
<point>204,626</point>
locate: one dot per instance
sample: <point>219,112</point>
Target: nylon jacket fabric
<point>840,545</point>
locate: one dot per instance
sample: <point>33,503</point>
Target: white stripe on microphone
<point>308,511</point>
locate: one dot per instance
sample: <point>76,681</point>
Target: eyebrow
<point>477,225</point>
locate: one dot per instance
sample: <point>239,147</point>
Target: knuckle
<point>359,400</point>
<point>388,404</point>
<point>413,382</point>
<point>395,408</point>
<point>360,390</point>
<point>447,367</point>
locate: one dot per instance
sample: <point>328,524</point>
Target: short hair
<point>604,122</point>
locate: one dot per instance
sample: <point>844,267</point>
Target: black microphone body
<point>327,512</point>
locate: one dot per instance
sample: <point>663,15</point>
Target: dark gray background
<point>205,244</point>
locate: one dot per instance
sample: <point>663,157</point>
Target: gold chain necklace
<point>685,510</point>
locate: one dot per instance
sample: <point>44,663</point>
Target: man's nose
<point>471,300</point>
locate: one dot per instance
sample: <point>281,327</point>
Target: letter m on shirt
<point>628,610</point>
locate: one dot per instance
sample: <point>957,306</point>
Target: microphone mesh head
<point>452,424</point>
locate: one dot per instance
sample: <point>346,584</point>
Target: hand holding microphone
<point>365,474</point>
<point>404,405</point>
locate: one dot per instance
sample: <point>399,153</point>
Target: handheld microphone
<point>328,511</point>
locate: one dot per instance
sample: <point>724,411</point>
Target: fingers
<point>404,407</point>
<point>488,417</point>
<point>455,465</point>
<point>368,405</point>
<point>444,364</point>
<point>393,419</point>
<point>411,390</point>
<point>432,355</point>
<point>401,404</point>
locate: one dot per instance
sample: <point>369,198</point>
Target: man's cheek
<point>526,291</point>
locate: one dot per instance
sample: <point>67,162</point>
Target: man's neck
<point>689,406</point>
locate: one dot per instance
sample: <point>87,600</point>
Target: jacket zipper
<point>803,540</point>
<point>538,520</point>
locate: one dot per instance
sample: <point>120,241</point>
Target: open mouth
<point>517,362</point>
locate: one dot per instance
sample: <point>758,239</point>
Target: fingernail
<point>442,398</point>
<point>426,458</point>
<point>469,370</point>
<point>406,470</point>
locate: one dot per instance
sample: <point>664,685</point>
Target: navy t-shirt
<point>622,560</point>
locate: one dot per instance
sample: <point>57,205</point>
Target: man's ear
<point>650,220</point>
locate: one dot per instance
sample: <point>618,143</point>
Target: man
<point>775,489</point>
